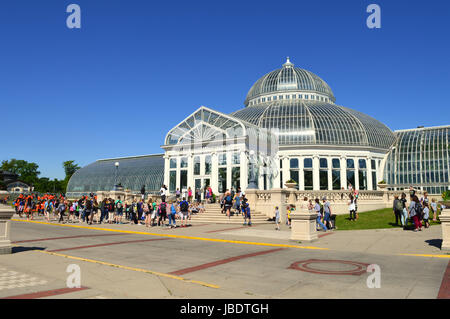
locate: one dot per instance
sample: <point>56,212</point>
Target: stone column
<point>344,172</point>
<point>356,186</point>
<point>214,173</point>
<point>369,173</point>
<point>166,170</point>
<point>229,156</point>
<point>190,173</point>
<point>301,174</point>
<point>316,179</point>
<point>330,173</point>
<point>286,173</point>
<point>303,226</point>
<point>6,212</point>
<point>445,224</point>
<point>277,180</point>
<point>244,171</point>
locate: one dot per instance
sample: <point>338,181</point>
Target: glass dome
<point>302,122</point>
<point>289,79</point>
<point>133,172</point>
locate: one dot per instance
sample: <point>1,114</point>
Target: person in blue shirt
<point>172,215</point>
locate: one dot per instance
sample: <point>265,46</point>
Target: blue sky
<point>136,68</point>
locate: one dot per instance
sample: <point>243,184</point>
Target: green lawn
<point>376,219</point>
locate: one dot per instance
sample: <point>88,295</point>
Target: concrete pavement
<point>221,261</point>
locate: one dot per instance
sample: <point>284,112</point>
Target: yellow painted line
<point>177,236</point>
<point>426,255</point>
<point>160,274</point>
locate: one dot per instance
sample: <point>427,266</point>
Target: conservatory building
<point>290,128</point>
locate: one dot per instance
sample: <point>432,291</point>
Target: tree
<point>69,168</point>
<point>28,172</point>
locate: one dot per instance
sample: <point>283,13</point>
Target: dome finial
<point>288,63</point>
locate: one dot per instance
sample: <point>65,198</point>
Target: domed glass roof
<point>289,79</point>
<point>301,122</point>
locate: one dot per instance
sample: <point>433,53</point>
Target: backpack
<point>399,205</point>
<point>119,205</point>
<point>228,200</point>
<point>419,210</point>
<point>162,208</point>
<point>184,206</point>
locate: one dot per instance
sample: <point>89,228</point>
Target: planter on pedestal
<point>290,185</point>
<point>445,224</point>
<point>6,212</point>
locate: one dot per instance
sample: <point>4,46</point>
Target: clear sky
<point>136,68</point>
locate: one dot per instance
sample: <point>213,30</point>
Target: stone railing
<point>265,201</point>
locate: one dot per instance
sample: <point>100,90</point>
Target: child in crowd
<point>277,218</point>
<point>434,208</point>
<point>426,214</point>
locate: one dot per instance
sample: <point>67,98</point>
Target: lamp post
<point>252,178</point>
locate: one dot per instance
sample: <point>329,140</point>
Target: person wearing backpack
<point>398,210</point>
<point>61,210</point>
<point>172,215</point>
<point>228,203</point>
<point>184,211</point>
<point>404,216</point>
<point>415,212</point>
<point>162,214</point>
<point>119,211</point>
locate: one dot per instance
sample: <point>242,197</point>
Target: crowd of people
<point>160,212</point>
<point>418,211</point>
<point>234,202</point>
<point>87,209</point>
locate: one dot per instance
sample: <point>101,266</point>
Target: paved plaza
<point>220,261</point>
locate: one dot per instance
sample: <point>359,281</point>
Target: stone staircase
<point>213,214</point>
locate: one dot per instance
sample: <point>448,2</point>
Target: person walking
<point>119,210</point>
<point>228,203</point>
<point>162,212</point>
<point>352,208</point>
<point>398,210</point>
<point>61,210</point>
<point>426,214</point>
<point>140,211</point>
<point>404,216</point>
<point>415,212</point>
<point>277,218</point>
<point>184,212</point>
<point>327,213</point>
<point>317,210</point>
<point>189,194</point>
<point>434,208</point>
<point>172,215</point>
<point>163,192</point>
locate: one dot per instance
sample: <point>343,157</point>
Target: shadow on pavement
<point>22,249</point>
<point>434,242</point>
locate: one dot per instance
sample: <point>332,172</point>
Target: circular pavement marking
<point>330,267</point>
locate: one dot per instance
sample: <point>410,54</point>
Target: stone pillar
<point>190,173</point>
<point>344,172</point>
<point>330,173</point>
<point>6,212</point>
<point>244,171</point>
<point>277,180</point>
<point>316,179</point>
<point>286,173</point>
<point>166,170</point>
<point>229,157</point>
<point>356,186</point>
<point>214,173</point>
<point>303,226</point>
<point>445,224</point>
<point>301,174</point>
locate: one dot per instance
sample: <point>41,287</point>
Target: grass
<point>376,219</point>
